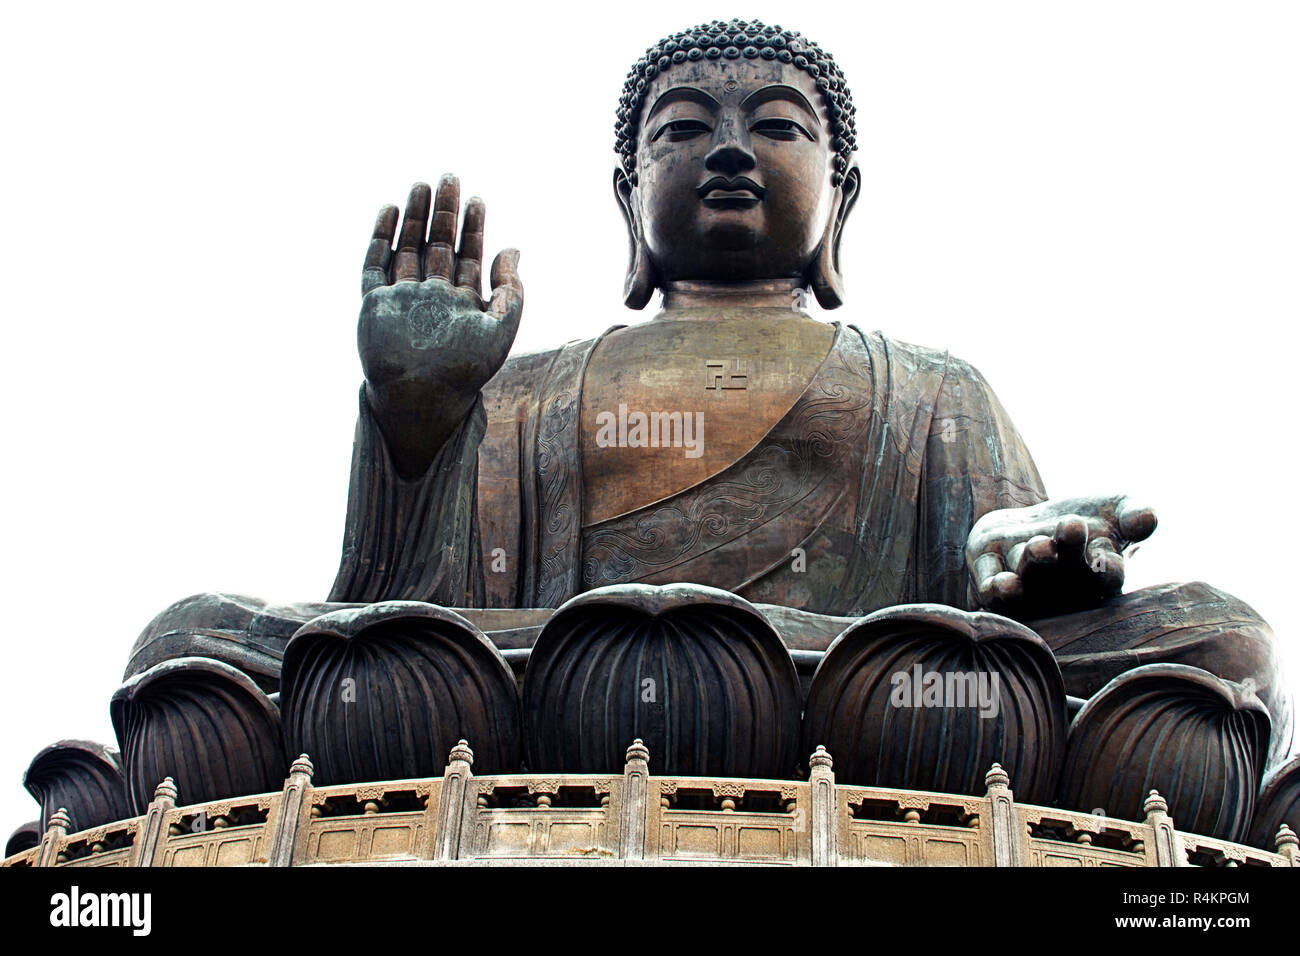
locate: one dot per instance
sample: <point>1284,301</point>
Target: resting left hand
<point>1056,557</point>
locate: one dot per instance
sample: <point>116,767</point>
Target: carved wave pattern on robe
<point>557,483</point>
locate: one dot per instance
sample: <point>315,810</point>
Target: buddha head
<point>736,144</point>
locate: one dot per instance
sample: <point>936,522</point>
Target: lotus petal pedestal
<point>203,723</point>
<point>927,697</point>
<point>383,692</point>
<point>697,673</point>
<point>82,777</point>
<point>1199,740</point>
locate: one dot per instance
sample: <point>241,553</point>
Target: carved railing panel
<point>545,816</point>
<point>27,857</point>
<point>108,845</point>
<point>673,819</point>
<point>754,821</point>
<point>219,833</point>
<point>393,820</point>
<point>1064,838</point>
<point>1208,852</point>
<point>885,827</point>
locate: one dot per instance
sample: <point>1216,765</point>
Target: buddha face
<point>734,166</point>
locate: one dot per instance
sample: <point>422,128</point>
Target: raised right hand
<point>428,342</point>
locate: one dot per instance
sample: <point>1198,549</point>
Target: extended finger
<point>442,231</point>
<point>380,253</point>
<point>1107,565</point>
<point>987,566</point>
<point>1136,521</point>
<point>1004,588</point>
<point>469,257</point>
<point>1037,551</point>
<point>1014,553</point>
<point>406,265</point>
<point>507,291</point>
<point>1071,536</point>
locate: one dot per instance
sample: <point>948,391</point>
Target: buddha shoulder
<point>926,364</point>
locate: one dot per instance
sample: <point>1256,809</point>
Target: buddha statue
<point>817,472</point>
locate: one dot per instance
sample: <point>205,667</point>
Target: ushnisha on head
<point>736,144</point>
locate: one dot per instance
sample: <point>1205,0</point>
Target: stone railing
<point>629,819</point>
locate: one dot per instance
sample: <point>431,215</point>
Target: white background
<point>1095,203</point>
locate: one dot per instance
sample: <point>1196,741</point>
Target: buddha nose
<point>731,153</point>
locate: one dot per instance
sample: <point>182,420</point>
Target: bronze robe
<point>860,497</point>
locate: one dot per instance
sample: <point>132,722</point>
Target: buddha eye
<point>785,129</point>
<point>682,129</point>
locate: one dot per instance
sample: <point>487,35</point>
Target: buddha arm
<point>416,418</point>
<point>991,538</point>
<point>427,347</point>
<point>427,352</point>
<point>975,463</point>
<point>412,538</point>
<point>428,341</point>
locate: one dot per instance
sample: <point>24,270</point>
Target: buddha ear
<point>641,282</point>
<point>824,275</point>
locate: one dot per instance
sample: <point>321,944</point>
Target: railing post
<point>151,837</point>
<point>294,803</point>
<point>1004,830</point>
<point>635,802</point>
<point>823,822</point>
<point>1288,845</point>
<point>455,804</point>
<point>1169,849</point>
<point>51,846</point>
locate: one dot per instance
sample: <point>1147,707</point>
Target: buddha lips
<point>683,430</point>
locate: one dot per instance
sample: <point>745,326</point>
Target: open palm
<point>427,339</point>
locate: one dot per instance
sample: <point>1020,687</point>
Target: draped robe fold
<point>860,497</point>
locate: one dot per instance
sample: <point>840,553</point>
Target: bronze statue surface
<point>817,472</point>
